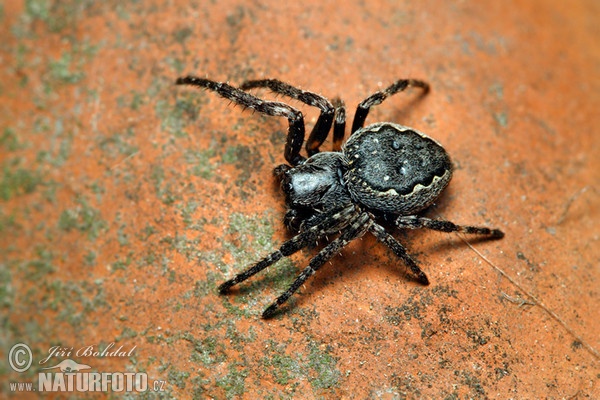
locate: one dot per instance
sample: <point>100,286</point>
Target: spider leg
<point>323,124</point>
<point>339,124</point>
<point>415,222</point>
<point>355,229</point>
<point>378,97</point>
<point>327,224</point>
<point>295,136</point>
<point>379,232</point>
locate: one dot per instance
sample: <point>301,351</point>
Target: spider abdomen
<point>395,169</point>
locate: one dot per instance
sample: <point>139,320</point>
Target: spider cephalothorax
<point>384,171</point>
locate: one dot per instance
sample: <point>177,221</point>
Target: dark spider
<point>384,172</point>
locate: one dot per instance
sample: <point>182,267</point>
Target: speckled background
<point>125,201</point>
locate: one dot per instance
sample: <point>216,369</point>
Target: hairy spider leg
<point>326,224</point>
<point>322,126</point>
<point>295,136</point>
<point>339,124</point>
<point>378,97</point>
<point>399,250</point>
<point>416,222</point>
<point>355,229</point>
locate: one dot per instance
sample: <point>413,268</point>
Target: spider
<point>385,172</point>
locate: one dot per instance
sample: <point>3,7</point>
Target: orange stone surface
<point>125,200</point>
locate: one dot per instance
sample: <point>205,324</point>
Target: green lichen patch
<point>200,163</point>
<point>315,364</point>
<point>82,218</point>
<point>17,180</point>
